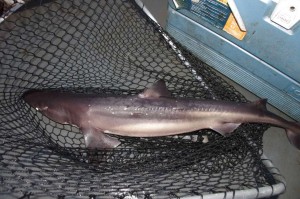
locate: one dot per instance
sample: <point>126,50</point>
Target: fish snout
<point>34,99</point>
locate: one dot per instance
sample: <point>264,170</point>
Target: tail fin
<point>294,138</point>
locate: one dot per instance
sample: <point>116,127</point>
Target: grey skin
<point>151,113</point>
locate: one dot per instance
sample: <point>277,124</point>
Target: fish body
<point>152,113</point>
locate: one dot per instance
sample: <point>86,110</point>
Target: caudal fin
<point>294,138</point>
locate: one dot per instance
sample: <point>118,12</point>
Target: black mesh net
<point>110,47</point>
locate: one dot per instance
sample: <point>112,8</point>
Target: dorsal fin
<point>261,104</point>
<point>158,89</point>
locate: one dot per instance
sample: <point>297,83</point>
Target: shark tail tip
<point>294,138</point>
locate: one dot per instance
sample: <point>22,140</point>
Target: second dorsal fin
<point>158,89</point>
<point>261,104</point>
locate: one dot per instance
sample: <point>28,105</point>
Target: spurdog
<point>154,112</point>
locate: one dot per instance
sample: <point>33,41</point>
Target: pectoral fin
<point>225,128</point>
<point>95,139</point>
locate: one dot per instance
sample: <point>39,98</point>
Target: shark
<point>151,113</point>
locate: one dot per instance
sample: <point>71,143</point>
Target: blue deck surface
<point>266,61</point>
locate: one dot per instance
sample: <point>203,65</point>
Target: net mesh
<point>110,47</point>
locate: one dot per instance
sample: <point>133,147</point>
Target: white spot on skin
<point>141,95</point>
<point>41,109</point>
<point>107,131</point>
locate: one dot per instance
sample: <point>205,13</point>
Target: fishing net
<point>110,47</point>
